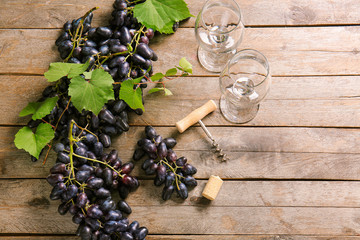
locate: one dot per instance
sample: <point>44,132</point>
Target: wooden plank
<point>319,51</point>
<point>290,13</point>
<point>194,220</point>
<point>35,193</point>
<point>271,153</point>
<point>202,237</point>
<point>315,105</point>
<point>43,14</point>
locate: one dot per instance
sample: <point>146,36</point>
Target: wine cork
<point>212,187</point>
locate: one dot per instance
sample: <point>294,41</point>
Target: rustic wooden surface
<point>294,169</point>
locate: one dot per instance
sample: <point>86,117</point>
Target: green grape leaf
<point>185,65</point>
<point>132,97</point>
<point>155,89</point>
<point>171,72</point>
<point>58,70</point>
<point>34,143</point>
<point>167,92</point>
<point>39,109</point>
<point>157,77</point>
<point>160,15</point>
<point>87,75</point>
<point>91,94</point>
<point>168,28</point>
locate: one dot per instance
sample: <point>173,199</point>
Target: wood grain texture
<point>316,104</point>
<point>35,193</point>
<point>266,153</point>
<point>319,51</point>
<point>53,14</point>
<point>202,237</point>
<point>197,220</point>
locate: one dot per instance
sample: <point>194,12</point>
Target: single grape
<point>161,173</point>
<point>125,36</point>
<point>81,200</point>
<point>170,179</point>
<point>59,147</point>
<point>140,233</point>
<point>133,226</point>
<point>189,169</point>
<point>104,32</point>
<point>78,218</point>
<point>63,157</point>
<point>114,215</point>
<point>64,208</point>
<point>170,142</point>
<point>138,154</point>
<point>190,181</point>
<point>149,33</point>
<point>53,179</point>
<point>127,168</point>
<point>85,233</point>
<point>171,155</point>
<point>150,148</point>
<point>58,168</point>
<point>94,224</point>
<point>82,176</point>
<point>110,226</point>
<point>151,169</point>
<point>107,116</point>
<point>182,190</point>
<point>102,193</point>
<point>124,207</point>
<point>181,161</point>
<point>57,190</point>
<point>98,149</point>
<point>144,50</point>
<point>126,236</point>
<point>150,132</point>
<point>107,205</point>
<point>157,140</point>
<point>107,176</point>
<point>94,212</point>
<point>95,183</point>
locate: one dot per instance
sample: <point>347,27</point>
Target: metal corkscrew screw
<point>196,116</point>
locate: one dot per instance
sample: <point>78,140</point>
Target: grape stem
<point>71,153</point>
<point>173,170</point>
<point>87,130</point>
<point>104,163</point>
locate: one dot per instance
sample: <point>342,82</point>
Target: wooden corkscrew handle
<point>196,115</point>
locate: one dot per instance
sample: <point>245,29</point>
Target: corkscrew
<point>196,116</point>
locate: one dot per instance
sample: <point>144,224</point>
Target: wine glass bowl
<point>244,83</point>
<point>218,30</point>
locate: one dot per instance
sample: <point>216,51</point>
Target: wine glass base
<point>214,62</point>
<point>242,115</point>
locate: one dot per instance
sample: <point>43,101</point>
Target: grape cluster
<point>121,48</point>
<point>84,176</point>
<point>173,172</point>
<point>83,179</point>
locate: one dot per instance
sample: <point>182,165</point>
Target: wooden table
<point>294,170</point>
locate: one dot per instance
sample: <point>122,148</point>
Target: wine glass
<point>244,83</point>
<point>218,30</point>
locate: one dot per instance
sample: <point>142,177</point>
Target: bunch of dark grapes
<point>84,176</point>
<point>121,49</point>
<point>175,173</point>
<point>83,179</point>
